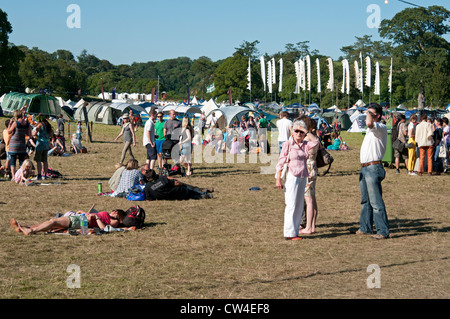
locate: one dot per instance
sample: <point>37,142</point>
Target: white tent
<point>359,124</point>
<point>231,112</point>
<point>78,104</point>
<point>334,108</point>
<point>121,106</point>
<point>355,115</point>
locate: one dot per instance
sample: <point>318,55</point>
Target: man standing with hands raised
<point>371,175</point>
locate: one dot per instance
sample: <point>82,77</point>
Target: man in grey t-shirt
<point>171,126</point>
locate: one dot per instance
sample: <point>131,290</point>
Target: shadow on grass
<point>87,178</point>
<point>215,171</point>
<point>154,224</point>
<point>397,227</point>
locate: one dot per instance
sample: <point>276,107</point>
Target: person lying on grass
<point>159,187</point>
<point>100,220</point>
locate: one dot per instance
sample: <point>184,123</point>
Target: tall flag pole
<point>308,67</point>
<point>263,73</point>
<point>362,75</point>
<point>319,85</point>
<point>269,76</point>
<point>297,74</point>
<point>377,80</point>
<point>280,85</point>
<point>368,75</point>
<point>249,79</point>
<point>390,83</point>
<point>346,78</point>
<point>330,84</point>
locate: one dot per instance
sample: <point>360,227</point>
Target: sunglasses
<point>300,132</point>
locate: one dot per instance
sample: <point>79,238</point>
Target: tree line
<point>413,40</point>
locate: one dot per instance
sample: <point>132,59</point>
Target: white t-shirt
<point>374,144</point>
<point>149,127</point>
<point>283,126</point>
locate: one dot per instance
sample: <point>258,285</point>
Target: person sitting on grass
<point>76,145</point>
<point>24,173</point>
<point>130,177</point>
<point>337,142</point>
<point>96,220</point>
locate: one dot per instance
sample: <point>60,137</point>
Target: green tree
<point>10,57</point>
<point>424,54</point>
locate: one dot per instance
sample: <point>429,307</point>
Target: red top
<point>104,217</point>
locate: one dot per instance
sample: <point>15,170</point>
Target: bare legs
<point>61,222</point>
<point>311,215</point>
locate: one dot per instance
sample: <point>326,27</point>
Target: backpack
<point>394,132</point>
<point>323,158</point>
<point>135,217</point>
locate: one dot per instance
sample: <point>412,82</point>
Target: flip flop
<point>293,238</point>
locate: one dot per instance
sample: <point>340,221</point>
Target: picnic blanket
<point>92,231</point>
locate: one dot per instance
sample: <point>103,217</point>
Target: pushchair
<point>168,169</point>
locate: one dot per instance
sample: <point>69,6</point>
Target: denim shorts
<point>159,146</point>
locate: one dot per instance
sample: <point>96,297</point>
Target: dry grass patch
<point>231,246</point>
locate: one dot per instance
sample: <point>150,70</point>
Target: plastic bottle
<point>84,225</point>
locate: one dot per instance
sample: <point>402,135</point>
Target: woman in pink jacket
<point>296,150</point>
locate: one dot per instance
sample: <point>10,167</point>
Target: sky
<point>124,32</point>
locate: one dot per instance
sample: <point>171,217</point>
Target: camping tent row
<point>104,112</point>
<point>37,103</point>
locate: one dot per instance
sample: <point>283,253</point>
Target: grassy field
<point>231,246</point>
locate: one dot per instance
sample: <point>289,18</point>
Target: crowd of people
<point>423,138</point>
<point>27,138</point>
<point>299,141</point>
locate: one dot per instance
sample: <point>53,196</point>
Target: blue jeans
<point>372,202</point>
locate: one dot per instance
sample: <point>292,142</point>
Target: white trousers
<point>294,195</point>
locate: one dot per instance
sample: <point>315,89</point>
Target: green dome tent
<point>37,103</point>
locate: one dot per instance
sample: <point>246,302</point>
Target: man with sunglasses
<point>159,127</point>
<point>371,175</point>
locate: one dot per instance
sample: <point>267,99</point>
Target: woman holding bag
<point>296,151</point>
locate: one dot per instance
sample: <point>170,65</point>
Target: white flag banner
<point>249,76</point>
<point>263,72</point>
<point>280,81</point>
<point>302,75</point>
<point>330,84</point>
<point>368,72</point>
<point>297,73</point>
<point>377,79</point>
<point>345,77</point>
<point>319,89</point>
<point>358,77</point>
<point>274,74</point>
<point>269,76</point>
<point>308,71</point>
<point>390,77</point>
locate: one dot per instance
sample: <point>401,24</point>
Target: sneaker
<point>412,173</point>
<point>397,171</point>
<point>379,236</point>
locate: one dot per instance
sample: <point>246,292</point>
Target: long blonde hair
<point>27,164</point>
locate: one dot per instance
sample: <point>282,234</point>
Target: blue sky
<point>124,32</point>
